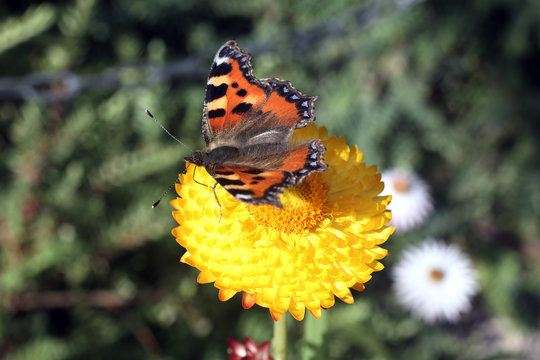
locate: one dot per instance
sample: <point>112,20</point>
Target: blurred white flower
<point>435,281</point>
<point>411,202</point>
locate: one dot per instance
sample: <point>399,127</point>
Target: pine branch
<point>15,31</point>
<point>36,300</point>
<point>65,85</point>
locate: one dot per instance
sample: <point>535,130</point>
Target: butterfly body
<point>247,125</point>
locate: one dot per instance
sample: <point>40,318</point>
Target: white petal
<point>429,299</point>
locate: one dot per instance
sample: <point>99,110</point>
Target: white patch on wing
<point>243,197</point>
<point>221,60</point>
<point>272,136</point>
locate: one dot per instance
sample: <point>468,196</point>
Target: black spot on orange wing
<point>253,171</point>
<point>216,113</point>
<point>221,69</point>
<point>242,108</point>
<point>223,171</point>
<point>228,182</point>
<point>215,92</point>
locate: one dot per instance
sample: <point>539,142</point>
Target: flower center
<point>436,275</point>
<point>304,206</point>
<point>402,184</point>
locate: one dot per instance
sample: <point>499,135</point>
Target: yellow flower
<point>323,241</point>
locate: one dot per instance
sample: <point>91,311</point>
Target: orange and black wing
<point>231,91</point>
<point>290,107</point>
<point>256,186</point>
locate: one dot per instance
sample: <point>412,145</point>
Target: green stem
<point>315,346</point>
<point>280,338</point>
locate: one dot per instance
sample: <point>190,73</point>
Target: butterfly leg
<point>217,200</point>
<point>194,170</point>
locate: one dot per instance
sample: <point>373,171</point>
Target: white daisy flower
<point>411,202</point>
<point>435,281</point>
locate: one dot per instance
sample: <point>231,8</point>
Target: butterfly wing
<point>254,186</point>
<point>257,186</point>
<point>290,107</point>
<point>231,91</point>
<point>234,96</point>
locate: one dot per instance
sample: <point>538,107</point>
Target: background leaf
<point>89,270</point>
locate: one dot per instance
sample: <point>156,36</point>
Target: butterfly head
<point>199,158</point>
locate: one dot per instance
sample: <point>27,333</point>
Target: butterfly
<point>247,124</point>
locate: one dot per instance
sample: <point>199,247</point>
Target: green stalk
<point>314,346</point>
<point>280,338</point>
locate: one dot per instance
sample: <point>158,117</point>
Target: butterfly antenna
<point>167,131</point>
<point>165,193</point>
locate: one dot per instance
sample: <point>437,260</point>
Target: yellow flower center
<point>304,207</point>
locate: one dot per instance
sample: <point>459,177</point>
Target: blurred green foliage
<point>450,89</point>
